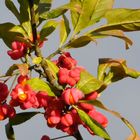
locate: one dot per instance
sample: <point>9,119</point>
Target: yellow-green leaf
<point>54,13</point>
<point>25,18</point>
<point>37,60</point>
<point>64,30</point>
<point>48,28</point>
<point>40,85</point>
<point>9,32</point>
<point>88,83</point>
<point>75,14</point>
<point>92,11</point>
<point>132,137</point>
<point>52,68</point>
<point>113,33</point>
<point>121,19</point>
<point>92,124</point>
<point>99,104</point>
<point>80,42</point>
<point>112,70</point>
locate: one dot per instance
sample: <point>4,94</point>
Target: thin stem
<point>78,136</point>
<point>38,53</point>
<point>33,22</point>
<point>34,29</point>
<point>59,50</point>
<point>61,137</point>
<point>54,53</point>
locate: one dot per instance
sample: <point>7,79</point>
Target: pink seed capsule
<point>72,95</point>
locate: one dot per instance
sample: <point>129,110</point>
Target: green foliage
<point>92,124</point>
<point>52,68</point>
<point>79,42</point>
<point>9,132</point>
<point>22,118</point>
<point>25,19</point>
<point>99,104</point>
<point>112,70</point>
<point>48,28</point>
<point>11,6</point>
<point>44,6</point>
<point>64,30</point>
<point>9,32</point>
<point>83,13</point>
<point>90,16</point>
<point>22,69</point>
<point>37,60</point>
<point>39,85</point>
<point>54,13</point>
<point>89,83</point>
<point>114,33</point>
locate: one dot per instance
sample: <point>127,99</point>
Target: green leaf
<point>48,28</point>
<point>11,70</point>
<point>9,32</point>
<point>23,69</point>
<point>9,132</point>
<point>39,85</point>
<point>79,42</point>
<point>53,68</point>
<point>99,104</point>
<point>132,137</point>
<point>75,15</point>
<point>64,30</point>
<point>89,83</point>
<point>25,19</point>
<point>113,33</point>
<point>22,117</point>
<point>44,5</point>
<point>121,19</point>
<point>91,15</point>
<point>37,60</point>
<point>10,5</point>
<point>92,124</point>
<point>54,13</point>
<point>101,71</point>
<point>100,9</point>
<point>112,70</point>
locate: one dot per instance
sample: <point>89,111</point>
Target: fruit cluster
<point>59,110</point>
<point>6,111</point>
<point>19,49</point>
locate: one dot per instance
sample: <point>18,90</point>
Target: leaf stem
<point>59,50</point>
<point>33,22</point>
<point>61,137</point>
<point>78,135</point>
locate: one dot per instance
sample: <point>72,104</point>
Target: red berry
<point>3,91</point>
<point>45,137</point>
<point>22,79</point>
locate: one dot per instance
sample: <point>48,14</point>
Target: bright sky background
<point>122,96</point>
